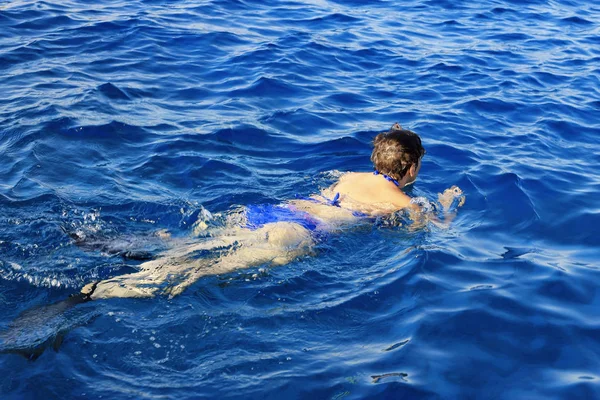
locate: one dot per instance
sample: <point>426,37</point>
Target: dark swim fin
<point>39,328</point>
<point>58,341</point>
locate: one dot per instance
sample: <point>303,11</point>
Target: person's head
<point>397,153</point>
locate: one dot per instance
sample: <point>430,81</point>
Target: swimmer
<point>278,234</point>
<point>263,235</point>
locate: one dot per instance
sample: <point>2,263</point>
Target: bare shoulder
<point>348,177</point>
<point>349,180</point>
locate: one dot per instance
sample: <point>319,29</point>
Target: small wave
<point>293,121</point>
<point>268,87</point>
<point>11,271</point>
<point>576,20</point>
<point>112,92</point>
<point>114,133</point>
<point>47,23</point>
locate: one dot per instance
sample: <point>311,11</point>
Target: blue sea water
<point>120,119</point>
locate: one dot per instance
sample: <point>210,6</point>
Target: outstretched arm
<point>440,213</point>
<point>451,200</point>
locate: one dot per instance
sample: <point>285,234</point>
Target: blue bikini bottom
<point>261,214</point>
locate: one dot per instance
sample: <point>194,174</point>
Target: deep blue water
<point>124,118</point>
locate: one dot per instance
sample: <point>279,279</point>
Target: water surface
<point>125,118</point>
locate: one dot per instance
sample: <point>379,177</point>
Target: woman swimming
<point>259,235</point>
<point>278,234</point>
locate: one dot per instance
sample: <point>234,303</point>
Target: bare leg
<point>275,244</point>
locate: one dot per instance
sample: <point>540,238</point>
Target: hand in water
<point>451,196</point>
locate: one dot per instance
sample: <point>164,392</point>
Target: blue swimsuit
<point>260,214</point>
<point>257,215</point>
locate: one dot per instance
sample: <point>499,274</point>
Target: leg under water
<point>169,274</point>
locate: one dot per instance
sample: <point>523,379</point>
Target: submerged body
<point>269,235</point>
<point>274,243</point>
<point>281,234</point>
<point>278,234</point>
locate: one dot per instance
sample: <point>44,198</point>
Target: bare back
<point>366,191</point>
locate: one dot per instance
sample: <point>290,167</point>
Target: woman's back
<point>365,191</point>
